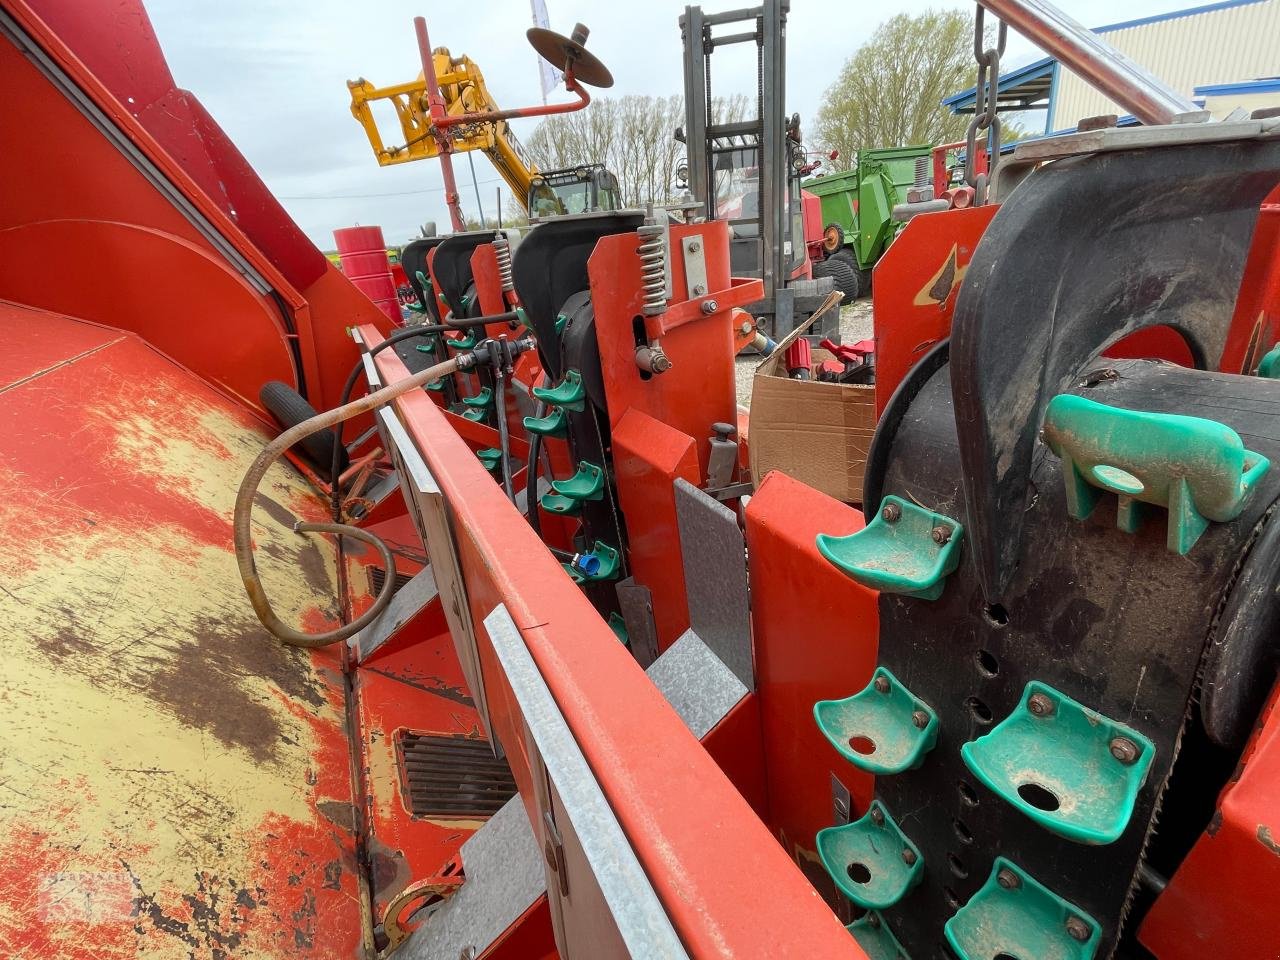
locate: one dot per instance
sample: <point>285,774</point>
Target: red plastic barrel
<point>363,253</point>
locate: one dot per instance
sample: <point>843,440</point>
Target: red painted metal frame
<point>1255,325</point>
<point>1221,902</point>
<point>816,637</point>
<point>699,841</point>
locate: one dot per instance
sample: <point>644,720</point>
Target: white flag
<point>551,76</point>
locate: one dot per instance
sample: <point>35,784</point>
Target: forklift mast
<point>712,145</point>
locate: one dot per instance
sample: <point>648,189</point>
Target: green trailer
<point>856,207</point>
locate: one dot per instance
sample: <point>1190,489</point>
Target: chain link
<point>985,103</point>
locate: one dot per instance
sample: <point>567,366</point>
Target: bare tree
<point>634,136</point>
<point>889,93</point>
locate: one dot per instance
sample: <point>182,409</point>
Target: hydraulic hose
<point>248,491</point>
<point>531,473</point>
<point>504,440</point>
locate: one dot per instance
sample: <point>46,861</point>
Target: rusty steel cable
<point>243,514</point>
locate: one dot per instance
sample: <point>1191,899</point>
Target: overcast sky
<point>273,73</point>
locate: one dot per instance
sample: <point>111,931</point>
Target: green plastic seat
<point>569,393</point>
<point>906,549</point>
<point>872,933</point>
<point>565,506</point>
<point>1015,916</point>
<point>491,457</point>
<point>586,484</point>
<point>554,424</point>
<point>461,343</point>
<point>883,730</point>
<point>871,860</point>
<point>481,401</point>
<point>1071,770</point>
<point>1198,470</point>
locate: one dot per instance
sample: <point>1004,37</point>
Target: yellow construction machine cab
<point>586,188</point>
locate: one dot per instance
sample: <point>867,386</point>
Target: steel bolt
<point>882,684</point>
<point>877,816</point>
<point>1078,929</point>
<point>1124,750</point>
<point>892,513</point>
<point>1008,880</point>
<point>908,856</point>
<point>940,535</point>
<point>1040,705</point>
<point>747,327</point>
<point>694,246</point>
<point>873,921</point>
<point>699,289</point>
<point>920,719</point>
<point>710,306</point>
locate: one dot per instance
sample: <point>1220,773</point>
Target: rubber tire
<point>290,408</point>
<point>864,276</point>
<point>845,276</point>
<point>839,239</point>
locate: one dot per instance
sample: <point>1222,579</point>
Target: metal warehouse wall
<point>1225,43</point>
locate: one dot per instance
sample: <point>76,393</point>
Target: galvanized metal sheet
<point>407,602</point>
<point>696,683</point>
<point>597,855</point>
<point>715,574</point>
<point>636,603</point>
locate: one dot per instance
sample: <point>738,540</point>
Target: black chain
<point>985,101</point>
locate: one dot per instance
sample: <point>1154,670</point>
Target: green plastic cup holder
<point>490,457</point>
<point>481,400</point>
<point>474,414</point>
<point>586,484</point>
<point>906,549</point>
<point>871,860</point>
<point>569,393</point>
<point>619,628</point>
<point>554,424</point>
<point>427,347</point>
<point>461,343</point>
<point>1071,770</point>
<point>1196,469</point>
<point>565,506</point>
<point>872,933</point>
<point>1014,916</point>
<point>883,730</point>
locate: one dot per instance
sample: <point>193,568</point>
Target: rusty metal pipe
<point>1129,84</point>
<point>243,514</point>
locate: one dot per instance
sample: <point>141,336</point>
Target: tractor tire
<point>864,276</point>
<point>845,276</point>
<point>832,239</point>
<point>290,408</point>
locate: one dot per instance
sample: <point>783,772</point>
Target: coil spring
<point>653,269</point>
<point>502,249</point>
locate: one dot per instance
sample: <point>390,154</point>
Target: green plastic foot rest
<point>481,401</point>
<point>523,318</point>
<point>561,320</point>
<point>554,424</point>
<point>461,343</point>
<point>554,503</point>
<point>490,457</point>
<point>883,730</point>
<point>1197,469</point>
<point>877,941</point>
<point>473,414</point>
<point>905,549</point>
<point>619,628</point>
<point>1073,771</point>
<point>569,393</point>
<point>871,860</point>
<point>435,386</point>
<point>1015,916</point>
<point>586,484</point>
<point>1269,365</point>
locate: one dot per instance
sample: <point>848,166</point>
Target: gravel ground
<point>855,324</point>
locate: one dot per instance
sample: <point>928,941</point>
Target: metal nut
<point>892,513</point>
<point>710,306</point>
<point>746,327</point>
<point>940,535</point>
<point>1124,750</point>
<point>694,246</point>
<point>1078,929</point>
<point>882,684</point>
<point>1040,705</point>
<point>877,816</point>
<point>699,289</point>
<point>920,719</point>
<point>1008,880</point>
<point>908,856</point>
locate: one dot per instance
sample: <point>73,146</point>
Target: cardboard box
<point>818,433</point>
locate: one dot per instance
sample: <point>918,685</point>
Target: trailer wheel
<point>845,276</point>
<point>290,408</point>
<point>863,276</point>
<point>832,239</point>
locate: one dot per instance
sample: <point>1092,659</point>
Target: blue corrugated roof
<point>1261,85</point>
<point>1033,71</point>
<point>1175,14</point>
